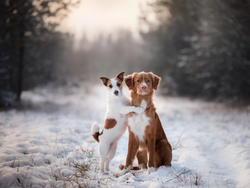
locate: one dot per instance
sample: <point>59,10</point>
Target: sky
<point>93,17</point>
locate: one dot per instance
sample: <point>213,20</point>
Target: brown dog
<point>146,135</point>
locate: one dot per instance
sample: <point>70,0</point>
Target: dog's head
<point>114,85</point>
<point>143,83</point>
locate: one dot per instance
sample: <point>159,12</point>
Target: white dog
<point>115,120</point>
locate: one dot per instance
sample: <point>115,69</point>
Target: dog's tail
<point>95,131</point>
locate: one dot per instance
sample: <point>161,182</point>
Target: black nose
<point>116,92</point>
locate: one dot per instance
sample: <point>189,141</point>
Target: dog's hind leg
<point>103,151</point>
<point>163,153</point>
<point>110,155</point>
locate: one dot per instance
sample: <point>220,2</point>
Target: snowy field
<point>48,143</point>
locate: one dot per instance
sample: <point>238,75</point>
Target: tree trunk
<point>20,67</point>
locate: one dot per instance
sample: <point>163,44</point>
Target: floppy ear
<point>104,80</point>
<point>156,81</point>
<point>129,80</point>
<point>120,76</point>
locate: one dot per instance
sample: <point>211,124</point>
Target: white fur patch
<point>138,123</point>
<point>94,128</point>
<point>144,84</point>
<point>144,104</point>
<point>141,148</point>
<point>115,87</point>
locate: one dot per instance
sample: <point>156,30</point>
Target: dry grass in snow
<point>47,143</point>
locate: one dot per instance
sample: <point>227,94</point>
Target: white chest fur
<point>138,123</point>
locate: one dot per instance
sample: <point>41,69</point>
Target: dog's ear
<point>129,81</point>
<point>120,76</point>
<point>156,81</point>
<point>104,80</point>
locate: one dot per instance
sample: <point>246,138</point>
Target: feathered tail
<point>95,131</point>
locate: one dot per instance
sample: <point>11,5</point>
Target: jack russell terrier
<point>115,120</point>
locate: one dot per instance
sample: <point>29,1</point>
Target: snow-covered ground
<point>48,143</point>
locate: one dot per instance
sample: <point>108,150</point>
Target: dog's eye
<point>138,80</point>
<point>118,85</point>
<point>148,80</point>
<point>110,86</point>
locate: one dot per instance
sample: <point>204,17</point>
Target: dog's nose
<point>144,87</point>
<point>116,92</point>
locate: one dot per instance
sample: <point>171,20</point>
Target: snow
<point>48,143</point>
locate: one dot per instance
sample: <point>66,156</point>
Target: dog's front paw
<point>139,110</point>
<point>151,170</point>
<point>142,166</point>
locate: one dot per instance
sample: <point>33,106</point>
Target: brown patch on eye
<point>109,84</point>
<point>119,82</point>
<point>109,123</point>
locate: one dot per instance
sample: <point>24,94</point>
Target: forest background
<point>199,48</point>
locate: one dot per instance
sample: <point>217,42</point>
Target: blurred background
<point>200,48</point>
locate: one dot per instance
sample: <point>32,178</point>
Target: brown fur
<point>156,143</point>
<point>96,135</point>
<point>105,80</point>
<point>142,160</point>
<point>110,123</point>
